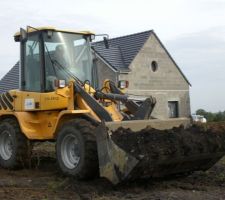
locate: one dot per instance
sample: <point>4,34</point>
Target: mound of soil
<point>173,151</point>
<point>218,127</point>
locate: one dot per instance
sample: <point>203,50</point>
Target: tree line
<point>212,117</point>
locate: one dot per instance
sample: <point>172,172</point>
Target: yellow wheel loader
<point>57,101</point>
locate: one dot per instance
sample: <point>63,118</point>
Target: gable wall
<point>167,77</point>
<point>166,84</point>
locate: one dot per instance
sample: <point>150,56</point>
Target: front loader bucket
<point>114,163</point>
<point>139,152</point>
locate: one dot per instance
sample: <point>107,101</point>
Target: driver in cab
<point>60,56</point>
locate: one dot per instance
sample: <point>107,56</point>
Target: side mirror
<point>106,42</point>
<point>105,39</point>
<point>23,35</point>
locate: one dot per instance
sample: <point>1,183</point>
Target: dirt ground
<point>44,182</point>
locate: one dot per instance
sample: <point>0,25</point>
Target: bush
<point>212,117</point>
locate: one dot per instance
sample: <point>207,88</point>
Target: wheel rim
<point>70,151</point>
<point>6,145</point>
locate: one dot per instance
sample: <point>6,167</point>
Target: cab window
<point>32,64</point>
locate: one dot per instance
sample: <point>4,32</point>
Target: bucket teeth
<point>114,163</point>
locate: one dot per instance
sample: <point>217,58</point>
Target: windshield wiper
<point>52,62</point>
<point>55,63</point>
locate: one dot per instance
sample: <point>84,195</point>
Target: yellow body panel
<point>114,112</point>
<point>37,125</point>
<point>41,114</point>
<point>58,99</point>
<point>40,125</point>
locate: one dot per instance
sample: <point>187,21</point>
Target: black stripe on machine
<point>7,102</point>
<point>2,103</point>
<point>9,97</point>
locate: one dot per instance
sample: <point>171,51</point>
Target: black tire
<point>16,154</point>
<point>81,161</point>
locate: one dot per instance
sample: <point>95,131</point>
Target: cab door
<point>31,66</point>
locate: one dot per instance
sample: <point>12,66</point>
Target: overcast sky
<point>192,30</point>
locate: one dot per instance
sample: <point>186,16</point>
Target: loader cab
<point>49,55</point>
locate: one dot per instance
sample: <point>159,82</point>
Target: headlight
<point>123,84</point>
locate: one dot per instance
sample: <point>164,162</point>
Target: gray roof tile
<point>122,50</point>
<point>11,79</point>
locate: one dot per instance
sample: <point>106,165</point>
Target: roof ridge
<point>132,34</point>
<point>123,36</point>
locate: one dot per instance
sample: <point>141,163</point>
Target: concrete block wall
<point>165,84</point>
<point>105,72</point>
<point>162,97</point>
